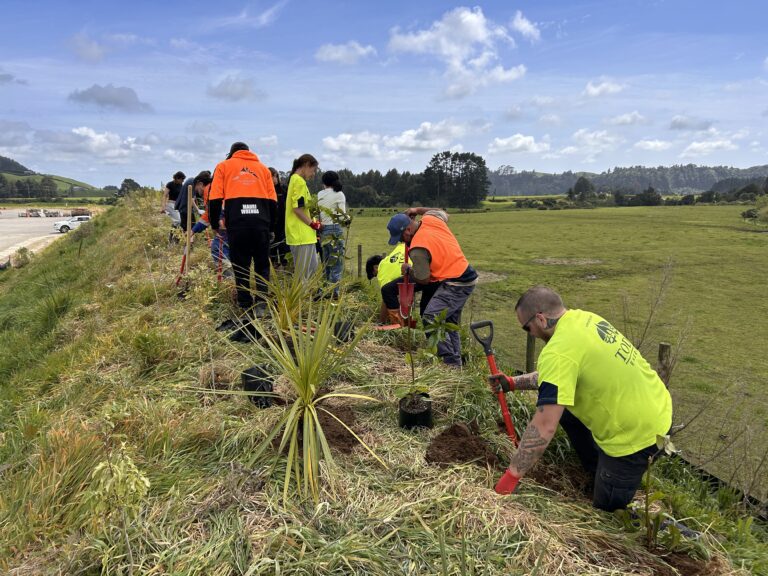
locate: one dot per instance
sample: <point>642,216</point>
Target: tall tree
<point>584,190</point>
<point>455,179</point>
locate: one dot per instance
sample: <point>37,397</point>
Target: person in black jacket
<point>279,248</point>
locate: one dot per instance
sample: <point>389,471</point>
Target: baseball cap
<point>397,224</point>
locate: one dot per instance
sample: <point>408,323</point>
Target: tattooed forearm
<point>528,381</point>
<point>532,445</point>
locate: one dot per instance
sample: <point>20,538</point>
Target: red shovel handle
<point>486,343</point>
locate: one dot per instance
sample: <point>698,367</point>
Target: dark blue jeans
<point>616,478</point>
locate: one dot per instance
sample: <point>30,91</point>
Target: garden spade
<point>475,327</point>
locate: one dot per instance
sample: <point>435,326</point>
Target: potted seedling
<point>415,407</point>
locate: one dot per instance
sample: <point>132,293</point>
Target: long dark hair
<point>331,179</point>
<point>303,160</point>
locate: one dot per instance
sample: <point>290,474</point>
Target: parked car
<point>65,226</point>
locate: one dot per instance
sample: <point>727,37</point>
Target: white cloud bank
<point>467,43</point>
<point>525,27</point>
<point>653,145</point>
<point>604,88</point>
<point>517,143</point>
<point>234,88</point>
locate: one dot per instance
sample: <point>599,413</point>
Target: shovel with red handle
<point>405,291</point>
<point>486,344</point>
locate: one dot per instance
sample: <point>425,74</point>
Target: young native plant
<point>308,354</point>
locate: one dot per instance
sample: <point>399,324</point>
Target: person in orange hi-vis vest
<point>436,258</point>
<point>244,186</point>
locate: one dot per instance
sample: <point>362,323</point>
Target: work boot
<point>394,316</point>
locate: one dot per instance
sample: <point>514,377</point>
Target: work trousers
<point>616,478</point>
<point>248,245</point>
<point>452,299</point>
<point>304,260</point>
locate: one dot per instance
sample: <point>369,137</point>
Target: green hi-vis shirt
<point>391,266</point>
<point>297,233</point>
<point>604,381</point>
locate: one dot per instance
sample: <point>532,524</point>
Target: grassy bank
<point>104,365</point>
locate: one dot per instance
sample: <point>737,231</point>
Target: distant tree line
<point>451,179</point>
<point>677,179</point>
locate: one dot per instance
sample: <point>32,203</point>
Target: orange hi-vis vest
<point>448,261</point>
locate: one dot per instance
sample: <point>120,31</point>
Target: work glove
<point>507,484</point>
<point>501,383</point>
<point>316,225</point>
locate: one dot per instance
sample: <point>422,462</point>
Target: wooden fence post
<point>359,260</point>
<point>665,362</point>
<point>530,353</point>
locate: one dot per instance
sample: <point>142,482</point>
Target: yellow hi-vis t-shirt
<point>391,266</point>
<point>297,233</point>
<point>604,381</point>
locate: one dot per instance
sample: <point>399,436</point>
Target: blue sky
<point>105,90</point>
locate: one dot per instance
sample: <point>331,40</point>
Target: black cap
<point>236,147</point>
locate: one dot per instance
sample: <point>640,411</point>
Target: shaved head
<point>540,299</point>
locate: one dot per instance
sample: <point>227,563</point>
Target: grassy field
<point>599,259</point>
<point>128,448</point>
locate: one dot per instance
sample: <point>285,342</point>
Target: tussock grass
<point>115,366</point>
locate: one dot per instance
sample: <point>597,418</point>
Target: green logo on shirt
<point>607,332</point>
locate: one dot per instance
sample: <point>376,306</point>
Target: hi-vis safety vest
<point>391,266</point>
<point>447,259</point>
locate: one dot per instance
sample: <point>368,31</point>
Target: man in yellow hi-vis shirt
<point>596,385</point>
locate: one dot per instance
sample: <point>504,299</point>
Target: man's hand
<point>507,484</point>
<point>316,225</point>
<point>501,383</point>
<point>405,268</point>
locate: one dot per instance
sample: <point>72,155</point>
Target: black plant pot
<point>415,411</point>
<point>344,331</point>
<point>258,379</point>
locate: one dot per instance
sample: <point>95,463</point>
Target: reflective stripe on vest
<point>448,260</point>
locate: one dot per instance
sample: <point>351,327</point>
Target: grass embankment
<point>62,184</point>
<point>603,258</point>
<point>103,364</point>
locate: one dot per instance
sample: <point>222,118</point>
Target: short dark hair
<point>237,147</point>
<point>331,179</point>
<point>179,175</point>
<point>540,299</point>
<point>372,262</point>
<point>204,177</point>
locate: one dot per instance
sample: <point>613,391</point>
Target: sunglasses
<point>526,326</point>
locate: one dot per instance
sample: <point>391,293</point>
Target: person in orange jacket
<point>437,258</point>
<point>244,186</point>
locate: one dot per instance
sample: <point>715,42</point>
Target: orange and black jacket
<point>244,186</point>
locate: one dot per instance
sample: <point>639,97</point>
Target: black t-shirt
<point>174,189</point>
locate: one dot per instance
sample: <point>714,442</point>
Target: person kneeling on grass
<point>596,385</point>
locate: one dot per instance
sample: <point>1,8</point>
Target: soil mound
<point>337,436</point>
<point>458,444</point>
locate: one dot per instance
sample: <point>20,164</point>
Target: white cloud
<point>525,27</point>
<point>552,119</point>
<point>466,42</point>
<point>128,39</point>
<point>542,101</point>
<point>653,145</point>
<point>87,49</point>
<point>270,140</point>
<point>628,119</point>
<point>349,53</point>
<point>362,144</point>
<point>427,136</point>
<point>84,143</point>
<point>245,19</point>
<point>604,88</point>
<point>591,144</point>
<point>681,122</point>
<point>517,143</point>
<point>513,112</point>
<point>113,97</point>
<point>235,88</point>
<point>706,147</point>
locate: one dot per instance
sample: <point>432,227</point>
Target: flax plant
<point>309,355</point>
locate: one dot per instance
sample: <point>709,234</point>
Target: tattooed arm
<point>535,439</point>
<point>529,381</point>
